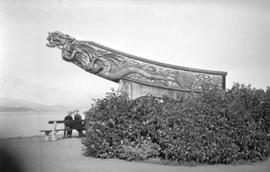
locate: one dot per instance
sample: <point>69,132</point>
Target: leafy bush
<point>214,127</point>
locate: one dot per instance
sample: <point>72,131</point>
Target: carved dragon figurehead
<point>115,65</point>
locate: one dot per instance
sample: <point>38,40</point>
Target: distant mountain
<point>8,105</point>
<point>15,109</point>
<point>18,94</point>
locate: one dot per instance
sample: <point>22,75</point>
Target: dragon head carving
<point>59,40</point>
<point>62,41</point>
<point>76,52</point>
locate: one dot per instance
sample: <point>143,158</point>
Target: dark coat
<point>77,123</point>
<point>68,121</point>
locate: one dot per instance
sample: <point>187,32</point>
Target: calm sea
<point>17,124</point>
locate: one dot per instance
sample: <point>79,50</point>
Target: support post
<point>224,81</point>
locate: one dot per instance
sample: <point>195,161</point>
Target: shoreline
<point>20,137</point>
<point>75,134</point>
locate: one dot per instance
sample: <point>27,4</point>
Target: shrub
<point>214,127</point>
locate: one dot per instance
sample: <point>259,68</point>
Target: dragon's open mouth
<point>51,42</point>
<point>57,39</point>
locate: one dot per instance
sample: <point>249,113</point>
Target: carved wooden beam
<point>115,66</point>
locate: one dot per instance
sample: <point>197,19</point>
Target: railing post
<point>47,133</point>
<point>54,131</point>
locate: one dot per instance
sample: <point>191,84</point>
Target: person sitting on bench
<point>78,125</point>
<point>68,125</point>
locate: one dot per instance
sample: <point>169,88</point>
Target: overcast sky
<point>229,35</point>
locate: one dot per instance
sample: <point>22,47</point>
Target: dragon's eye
<point>65,46</point>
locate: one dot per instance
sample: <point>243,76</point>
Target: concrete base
<point>135,90</point>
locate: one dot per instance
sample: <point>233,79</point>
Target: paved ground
<point>36,155</point>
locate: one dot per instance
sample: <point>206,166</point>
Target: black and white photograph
<point>134,85</point>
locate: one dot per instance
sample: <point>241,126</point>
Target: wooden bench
<point>51,134</point>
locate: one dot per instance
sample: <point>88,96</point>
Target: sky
<point>222,35</point>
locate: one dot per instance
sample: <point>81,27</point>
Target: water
<point>21,124</point>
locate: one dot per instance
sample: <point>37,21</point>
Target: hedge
<point>214,127</point>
